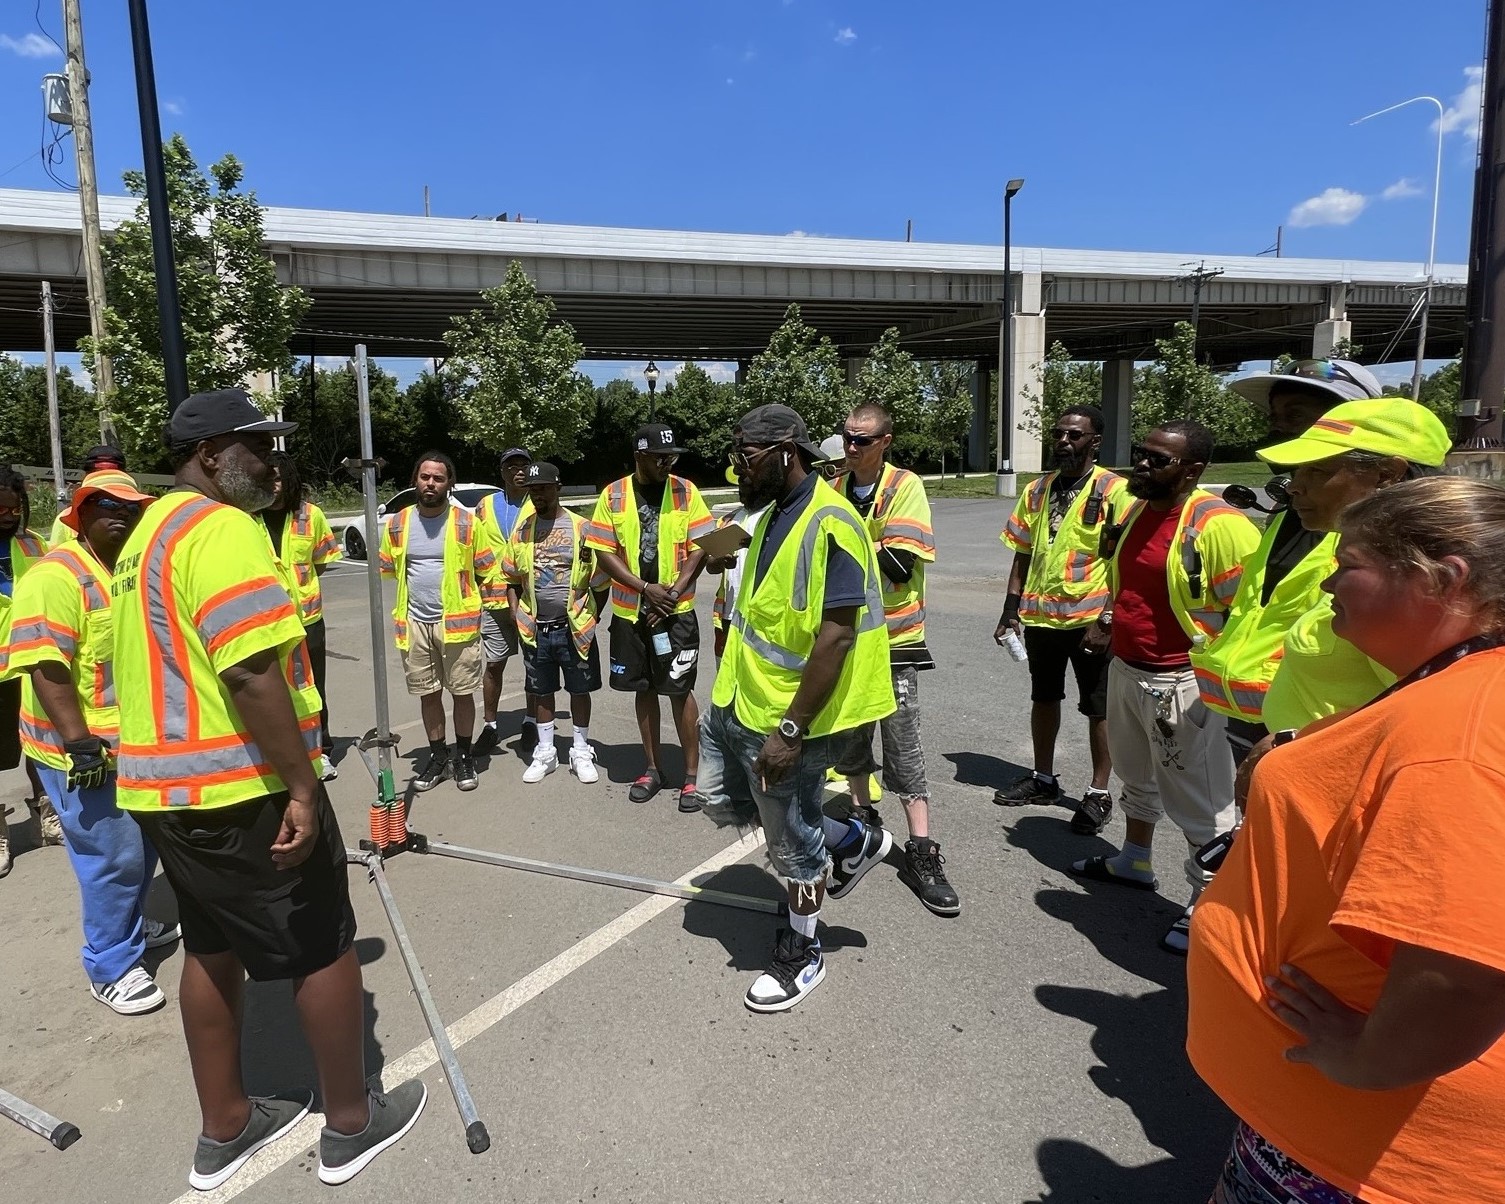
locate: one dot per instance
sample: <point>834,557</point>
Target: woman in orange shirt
<point>1347,965</point>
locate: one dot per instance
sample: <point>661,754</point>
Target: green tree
<point>1440,392</point>
<point>620,407</point>
<point>25,434</point>
<point>946,406</point>
<point>891,378</point>
<point>326,407</point>
<point>237,318</point>
<point>514,368</point>
<point>1176,385</point>
<point>702,412</point>
<point>800,369</point>
<point>1067,382</point>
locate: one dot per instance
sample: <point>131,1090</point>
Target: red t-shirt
<point>1145,628</point>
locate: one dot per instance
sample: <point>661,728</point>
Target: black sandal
<point>647,785</point>
<point>1095,869</point>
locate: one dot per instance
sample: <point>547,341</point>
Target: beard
<point>761,486</point>
<point>1070,462</point>
<point>1149,489</point>
<point>243,491</point>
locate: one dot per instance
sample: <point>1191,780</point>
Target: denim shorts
<point>903,757</point>
<point>790,810</point>
<point>553,656</point>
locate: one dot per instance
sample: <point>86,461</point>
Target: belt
<point>552,624</point>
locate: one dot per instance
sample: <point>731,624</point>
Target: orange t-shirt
<point>1380,827</point>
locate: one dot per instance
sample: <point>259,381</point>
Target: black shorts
<point>1050,651</point>
<point>638,669</point>
<point>233,899</point>
<point>10,724</point>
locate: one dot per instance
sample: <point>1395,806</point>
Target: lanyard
<point>1450,656</point>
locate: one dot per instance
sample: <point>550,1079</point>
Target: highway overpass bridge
<point>393,281</point>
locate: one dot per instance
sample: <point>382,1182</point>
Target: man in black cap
<point>806,660</point>
<point>499,514</point>
<point>219,736</point>
<point>641,534</point>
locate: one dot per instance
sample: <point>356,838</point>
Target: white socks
<point>581,734</point>
<point>804,925</point>
<point>546,736</point>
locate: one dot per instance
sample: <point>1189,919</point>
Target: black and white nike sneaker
<point>795,970</point>
<point>847,871</point>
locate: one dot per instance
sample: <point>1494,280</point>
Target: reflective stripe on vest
<point>179,778</point>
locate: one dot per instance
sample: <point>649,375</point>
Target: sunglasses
<point>852,439</point>
<point>1074,436</point>
<point>742,460</point>
<point>1156,460</point>
<point>113,505</point>
<point>15,510</point>
<point>664,459</point>
<point>1322,370</point>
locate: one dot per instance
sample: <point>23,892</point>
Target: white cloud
<point>330,363</point>
<point>173,108</point>
<point>30,46</point>
<point>1401,189</point>
<point>1462,116</point>
<point>1330,207</point>
<point>668,371</point>
<point>845,36</point>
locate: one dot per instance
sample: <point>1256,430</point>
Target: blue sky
<point>1179,125</point>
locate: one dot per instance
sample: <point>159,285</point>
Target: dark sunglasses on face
<point>1156,460</point>
<point>665,459</point>
<point>112,505</point>
<point>853,439</point>
<point>1074,436</point>
<point>742,458</point>
<point>10,510</point>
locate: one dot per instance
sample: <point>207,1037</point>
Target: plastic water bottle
<point>1015,645</point>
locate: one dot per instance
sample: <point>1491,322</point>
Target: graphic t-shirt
<point>426,566</point>
<point>7,569</point>
<point>1062,494</point>
<point>552,561</point>
<point>1145,628</point>
<point>650,497</point>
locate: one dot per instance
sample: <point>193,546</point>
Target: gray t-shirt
<point>426,567</point>
<point>552,564</point>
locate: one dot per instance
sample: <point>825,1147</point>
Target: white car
<point>469,496</point>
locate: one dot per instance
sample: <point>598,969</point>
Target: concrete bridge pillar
<point>1118,401</point>
<point>979,452</point>
<point>1027,339</point>
<point>1335,328</point>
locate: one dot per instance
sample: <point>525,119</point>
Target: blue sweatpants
<point>113,863</point>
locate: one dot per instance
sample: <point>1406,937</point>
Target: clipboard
<point>725,540</point>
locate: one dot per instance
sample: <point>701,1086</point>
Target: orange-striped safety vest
<point>307,544</point>
<point>584,579</point>
<point>900,519</point>
<point>196,592</point>
<point>472,574</point>
<point>1067,583</point>
<point>614,528</point>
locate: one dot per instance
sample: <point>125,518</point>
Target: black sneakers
<point>795,970</point>
<point>343,1156</point>
<point>1028,792</point>
<point>847,871</point>
<point>465,772</point>
<point>923,874</point>
<point>434,772</point>
<point>216,1161</point>
<point>1092,812</point>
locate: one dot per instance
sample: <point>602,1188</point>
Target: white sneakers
<point>327,770</point>
<point>159,934</point>
<point>583,764</point>
<point>545,762</point>
<point>131,994</point>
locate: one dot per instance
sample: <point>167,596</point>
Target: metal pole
<point>54,419</point>
<point>386,795</point>
<point>1426,305</point>
<point>476,1136</point>
<point>1006,356</point>
<point>61,1133</point>
<point>88,203</point>
<point>169,316</point>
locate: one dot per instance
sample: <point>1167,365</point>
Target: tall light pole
<point>1004,485</point>
<point>650,374</point>
<point>1426,288</point>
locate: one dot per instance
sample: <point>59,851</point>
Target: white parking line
<point>496,1009</point>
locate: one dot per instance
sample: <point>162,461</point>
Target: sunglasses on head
<point>1157,460</point>
<point>1321,370</point>
<point>853,439</point>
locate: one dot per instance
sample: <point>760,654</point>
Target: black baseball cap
<point>656,439</point>
<point>541,472</point>
<point>103,453</point>
<point>221,412</point>
<point>516,453</point>
<point>771,424</point>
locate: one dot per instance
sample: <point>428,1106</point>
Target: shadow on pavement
<point>747,936</point>
<point>275,1054</point>
<point>983,769</point>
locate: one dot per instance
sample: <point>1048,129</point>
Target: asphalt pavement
<point>1029,1050</point>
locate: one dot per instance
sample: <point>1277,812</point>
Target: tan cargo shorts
<point>432,665</point>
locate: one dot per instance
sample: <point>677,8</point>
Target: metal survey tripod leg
<point>61,1133</point>
<point>476,1136</point>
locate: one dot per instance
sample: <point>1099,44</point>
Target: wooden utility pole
<point>54,419</point>
<point>88,201</point>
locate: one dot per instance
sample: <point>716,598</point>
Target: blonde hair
<point>1415,525</point>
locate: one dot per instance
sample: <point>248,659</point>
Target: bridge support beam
<point>1027,346</point>
<point>979,446</point>
<point>1335,328</point>
<point>1118,402</point>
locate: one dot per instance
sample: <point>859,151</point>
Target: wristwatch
<point>790,730</point>
<point>1105,619</point>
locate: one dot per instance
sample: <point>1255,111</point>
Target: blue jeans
<point>113,864</point>
<point>790,810</point>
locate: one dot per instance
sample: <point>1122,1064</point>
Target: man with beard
<point>1176,555</point>
<point>642,533</point>
<point>446,570</point>
<point>500,514</point>
<point>806,659</point>
<point>1058,586</point>
<point>219,736</point>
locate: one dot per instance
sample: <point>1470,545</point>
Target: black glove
<point>88,768</point>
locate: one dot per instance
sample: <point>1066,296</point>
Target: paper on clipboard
<point>723,541</point>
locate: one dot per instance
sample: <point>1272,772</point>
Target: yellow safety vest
<point>774,624</point>
<point>900,519</point>
<point>61,532</point>
<point>518,566</point>
<point>307,544</point>
<point>1067,583</point>
<point>1320,673</point>
<point>1235,670</point>
<point>1211,542</point>
<point>61,613</point>
<point>26,548</point>
<point>683,516</point>
<point>196,591</point>
<point>472,574</point>
<point>492,526</point>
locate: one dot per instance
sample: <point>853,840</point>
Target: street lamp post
<point>1005,481</point>
<point>1426,288</point>
<point>650,374</point>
